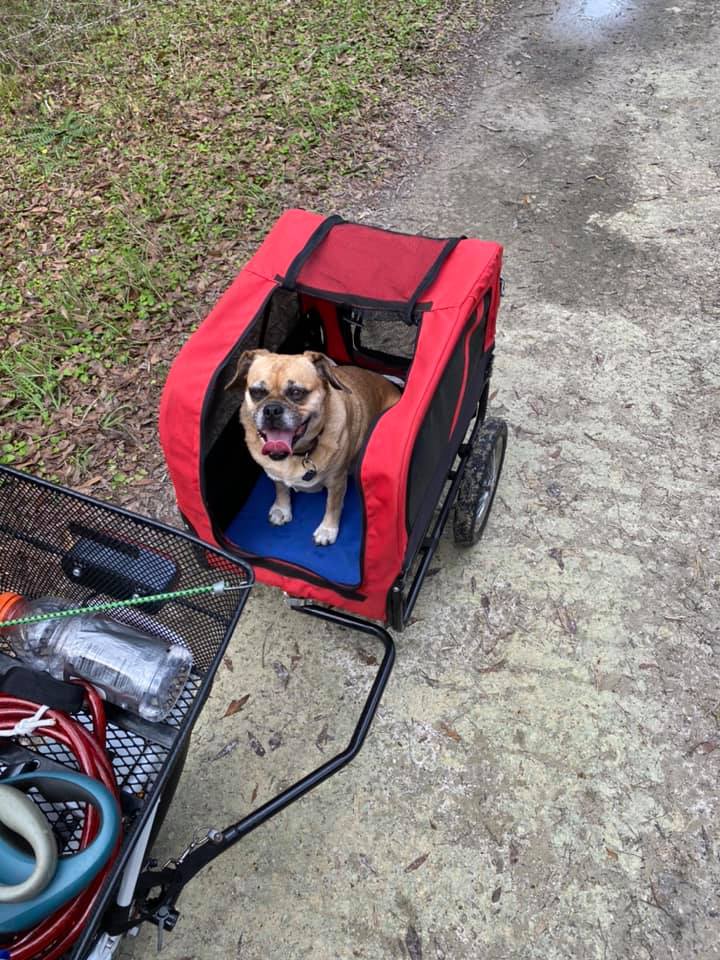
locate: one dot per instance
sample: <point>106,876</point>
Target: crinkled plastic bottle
<point>140,672</point>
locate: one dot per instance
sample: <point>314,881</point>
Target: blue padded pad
<point>253,533</point>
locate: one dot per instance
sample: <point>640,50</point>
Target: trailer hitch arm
<point>170,880</point>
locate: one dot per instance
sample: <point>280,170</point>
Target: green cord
<point>218,587</point>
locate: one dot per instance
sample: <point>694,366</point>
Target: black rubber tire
<point>479,482</point>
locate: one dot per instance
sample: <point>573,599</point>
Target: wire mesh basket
<point>57,543</point>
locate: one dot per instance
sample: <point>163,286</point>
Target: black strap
<point>310,247</point>
<point>39,687</point>
<point>430,277</point>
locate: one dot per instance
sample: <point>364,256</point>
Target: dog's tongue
<point>278,441</point>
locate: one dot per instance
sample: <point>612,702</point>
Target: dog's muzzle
<point>278,436</point>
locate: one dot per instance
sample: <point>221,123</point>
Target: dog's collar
<point>309,449</point>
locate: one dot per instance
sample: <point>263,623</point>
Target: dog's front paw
<point>279,515</point>
<point>325,535</point>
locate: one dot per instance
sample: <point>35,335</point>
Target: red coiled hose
<point>55,936</point>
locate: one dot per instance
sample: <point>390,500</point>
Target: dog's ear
<point>324,367</point>
<point>244,363</point>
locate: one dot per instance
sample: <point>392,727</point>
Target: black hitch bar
<point>160,909</point>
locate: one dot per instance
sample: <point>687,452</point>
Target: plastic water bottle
<point>134,669</point>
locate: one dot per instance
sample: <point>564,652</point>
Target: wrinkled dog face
<point>285,396</point>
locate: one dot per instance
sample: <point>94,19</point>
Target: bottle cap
<point>7,602</point>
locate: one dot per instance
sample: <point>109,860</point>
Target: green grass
<point>142,158</point>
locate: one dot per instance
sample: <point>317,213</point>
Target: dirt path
<point>542,779</point>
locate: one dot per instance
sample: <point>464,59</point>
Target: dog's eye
<point>257,393</point>
<point>296,394</point>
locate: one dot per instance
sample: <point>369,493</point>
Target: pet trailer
<point>417,309</point>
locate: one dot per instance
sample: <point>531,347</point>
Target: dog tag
<point>310,469</point>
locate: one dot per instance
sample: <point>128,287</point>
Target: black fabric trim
<point>433,449</point>
<point>312,244</point>
<point>351,299</point>
<point>286,569</point>
<point>477,362</point>
<point>203,450</point>
<point>433,491</point>
<point>431,275</point>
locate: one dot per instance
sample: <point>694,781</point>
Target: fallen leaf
<point>430,681</point>
<point>228,664</point>
<point>557,555</point>
<point>282,671</point>
<point>236,705</point>
<point>494,667</point>
<point>413,944</point>
<point>611,853</point>
<point>366,863</point>
<point>323,737</point>
<point>255,745</point>
<point>706,746</point>
<point>496,894</point>
<point>275,741</point>
<point>449,731</point>
<point>369,659</point>
<point>566,621</point>
<point>418,862</point>
<point>513,852</point>
<point>228,748</point>
<point>89,483</point>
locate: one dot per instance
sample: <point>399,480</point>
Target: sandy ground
<point>541,780</point>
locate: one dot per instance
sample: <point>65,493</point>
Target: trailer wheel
<point>479,483</point>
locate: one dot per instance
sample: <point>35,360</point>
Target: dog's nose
<point>273,411</point>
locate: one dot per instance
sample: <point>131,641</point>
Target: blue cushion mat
<point>252,532</point>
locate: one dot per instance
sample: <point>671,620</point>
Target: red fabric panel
<point>373,606</point>
<point>334,343</point>
<point>370,263</point>
<point>286,239</point>
<point>187,384</point>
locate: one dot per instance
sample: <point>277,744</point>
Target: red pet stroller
<point>419,310</point>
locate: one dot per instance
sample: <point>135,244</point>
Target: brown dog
<point>305,421</point>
